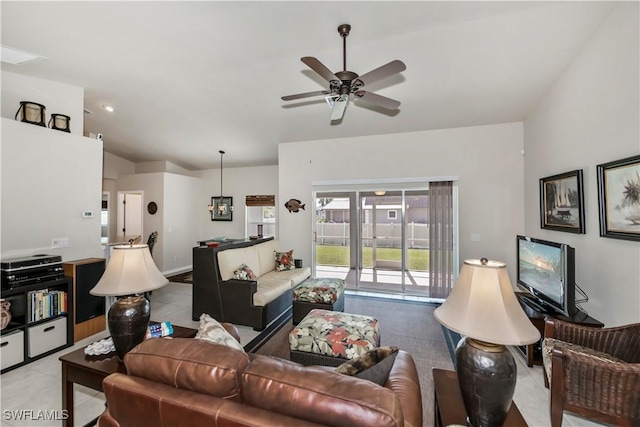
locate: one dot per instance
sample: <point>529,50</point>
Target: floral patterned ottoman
<point>323,293</point>
<point>330,337</point>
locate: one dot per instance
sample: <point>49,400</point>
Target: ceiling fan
<point>345,83</point>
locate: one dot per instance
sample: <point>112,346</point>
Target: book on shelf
<point>45,303</point>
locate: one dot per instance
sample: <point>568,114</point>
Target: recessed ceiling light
<point>18,57</point>
<point>109,108</point>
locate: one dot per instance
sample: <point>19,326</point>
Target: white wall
<point>48,179</point>
<point>589,117</point>
<point>58,98</point>
<point>486,160</point>
<point>182,197</point>
<point>115,167</point>
<point>238,183</point>
<point>163,166</point>
<point>179,221</point>
<point>175,220</point>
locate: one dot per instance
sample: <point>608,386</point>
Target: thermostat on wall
<point>88,214</point>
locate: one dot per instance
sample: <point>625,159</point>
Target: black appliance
<point>30,269</point>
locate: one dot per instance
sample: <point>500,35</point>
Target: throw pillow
<point>284,261</point>
<point>374,365</point>
<point>244,273</point>
<point>212,331</point>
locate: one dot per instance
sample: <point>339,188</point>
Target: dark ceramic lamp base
<point>128,321</point>
<point>487,377</point>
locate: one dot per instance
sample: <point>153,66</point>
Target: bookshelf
<point>41,322</point>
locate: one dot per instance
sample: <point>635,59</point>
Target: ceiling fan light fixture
<point>344,83</point>
<point>331,99</point>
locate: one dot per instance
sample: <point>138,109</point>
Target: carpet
<point>408,325</point>
<point>186,277</point>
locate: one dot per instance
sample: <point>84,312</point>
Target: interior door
<point>129,214</point>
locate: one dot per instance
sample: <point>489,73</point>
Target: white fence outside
<point>389,235</point>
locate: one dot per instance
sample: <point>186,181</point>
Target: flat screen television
<point>547,271</point>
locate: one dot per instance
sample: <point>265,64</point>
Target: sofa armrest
<point>237,294</point>
<point>403,380</point>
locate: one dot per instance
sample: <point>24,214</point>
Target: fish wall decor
<point>294,205</point>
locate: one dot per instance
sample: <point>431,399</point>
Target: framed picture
<point>222,208</point>
<point>619,198</point>
<point>562,202</point>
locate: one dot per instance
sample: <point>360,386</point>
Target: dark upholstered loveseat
<point>242,302</point>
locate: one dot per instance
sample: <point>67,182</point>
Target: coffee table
<point>89,371</point>
<point>449,407</point>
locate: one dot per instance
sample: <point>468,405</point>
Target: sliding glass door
<point>388,250</point>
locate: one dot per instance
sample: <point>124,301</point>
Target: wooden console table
<point>89,371</point>
<point>533,352</point>
<point>449,407</point>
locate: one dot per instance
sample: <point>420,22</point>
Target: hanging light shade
<point>223,203</point>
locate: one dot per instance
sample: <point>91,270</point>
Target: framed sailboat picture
<point>562,202</point>
<point>619,198</point>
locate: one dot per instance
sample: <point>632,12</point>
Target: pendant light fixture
<point>223,204</point>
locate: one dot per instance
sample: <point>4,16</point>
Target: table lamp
<point>484,309</point>
<point>130,273</point>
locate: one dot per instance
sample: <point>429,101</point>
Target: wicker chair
<point>594,372</point>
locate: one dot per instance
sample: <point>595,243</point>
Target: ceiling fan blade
<point>382,101</point>
<point>305,95</point>
<point>339,105</point>
<point>319,68</point>
<point>393,67</point>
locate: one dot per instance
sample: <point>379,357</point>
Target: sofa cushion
<point>230,259</point>
<point>189,364</point>
<point>294,277</point>
<point>212,331</point>
<point>318,395</point>
<point>374,365</point>
<point>270,288</point>
<point>284,260</point>
<point>265,255</point>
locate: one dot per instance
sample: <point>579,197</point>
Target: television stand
<point>533,352</point>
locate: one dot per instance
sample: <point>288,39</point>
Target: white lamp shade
<point>131,270</point>
<point>483,306</point>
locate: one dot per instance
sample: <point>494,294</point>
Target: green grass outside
<point>339,256</point>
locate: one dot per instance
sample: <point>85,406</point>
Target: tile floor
<point>37,386</point>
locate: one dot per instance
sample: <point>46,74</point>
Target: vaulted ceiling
<point>187,79</point>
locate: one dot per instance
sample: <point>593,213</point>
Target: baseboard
<point>178,270</point>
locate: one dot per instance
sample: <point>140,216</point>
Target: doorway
<point>129,214</point>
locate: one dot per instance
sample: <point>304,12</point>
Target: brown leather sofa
<point>188,382</point>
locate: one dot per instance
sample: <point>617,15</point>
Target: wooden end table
<point>89,371</point>
<point>449,406</point>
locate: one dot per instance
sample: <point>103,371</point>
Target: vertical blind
<point>440,238</point>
